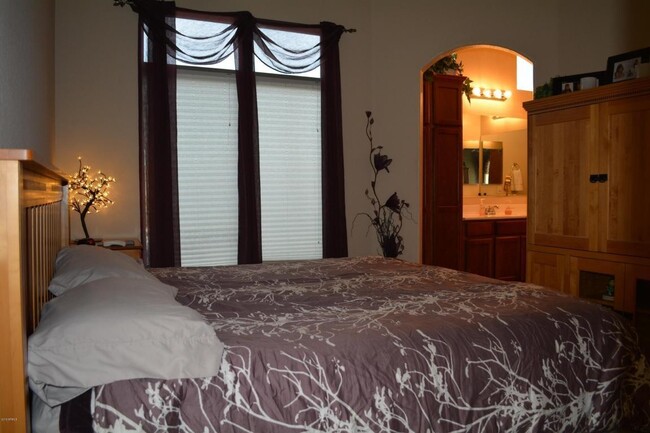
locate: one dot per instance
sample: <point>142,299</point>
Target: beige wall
<point>96,79</point>
<point>27,75</point>
<point>590,31</point>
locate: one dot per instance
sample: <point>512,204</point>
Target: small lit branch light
<point>89,194</point>
<point>491,94</point>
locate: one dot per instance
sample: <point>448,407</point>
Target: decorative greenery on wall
<point>449,65</point>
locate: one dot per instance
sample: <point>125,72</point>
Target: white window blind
<point>207,167</point>
<point>290,167</point>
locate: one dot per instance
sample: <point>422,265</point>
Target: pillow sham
<point>80,264</point>
<point>116,329</point>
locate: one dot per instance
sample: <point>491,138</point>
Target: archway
<point>500,119</point>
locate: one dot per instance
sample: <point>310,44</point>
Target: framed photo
<point>624,66</point>
<point>573,83</point>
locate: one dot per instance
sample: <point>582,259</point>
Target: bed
<point>369,344</point>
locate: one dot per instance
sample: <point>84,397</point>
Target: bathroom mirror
<point>482,162</point>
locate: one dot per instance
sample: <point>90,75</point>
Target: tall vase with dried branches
<point>386,216</point>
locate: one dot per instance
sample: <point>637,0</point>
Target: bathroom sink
<point>471,212</point>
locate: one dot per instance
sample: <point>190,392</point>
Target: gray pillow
<point>80,264</point>
<point>116,329</point>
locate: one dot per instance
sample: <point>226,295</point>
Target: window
<point>524,74</point>
<point>300,171</point>
<point>290,166</point>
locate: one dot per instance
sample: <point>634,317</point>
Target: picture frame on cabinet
<point>573,83</point>
<point>625,66</point>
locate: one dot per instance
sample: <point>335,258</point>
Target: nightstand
<point>133,250</point>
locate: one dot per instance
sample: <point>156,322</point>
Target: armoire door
<point>625,159</point>
<point>561,159</point>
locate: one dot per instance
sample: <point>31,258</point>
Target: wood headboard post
<point>33,228</point>
<point>14,394</point>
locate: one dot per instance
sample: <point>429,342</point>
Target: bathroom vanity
<point>495,246</point>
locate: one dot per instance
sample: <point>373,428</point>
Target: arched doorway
<point>495,114</point>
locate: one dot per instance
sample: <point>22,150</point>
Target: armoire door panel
<point>546,269</point>
<point>560,164</point>
<point>625,158</point>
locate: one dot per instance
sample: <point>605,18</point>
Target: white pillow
<point>116,329</point>
<point>80,264</point>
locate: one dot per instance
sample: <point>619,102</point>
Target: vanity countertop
<point>518,211</point>
<point>493,217</point>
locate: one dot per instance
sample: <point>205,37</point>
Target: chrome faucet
<point>507,185</point>
<point>491,210</point>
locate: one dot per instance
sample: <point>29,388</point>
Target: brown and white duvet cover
<point>376,345</point>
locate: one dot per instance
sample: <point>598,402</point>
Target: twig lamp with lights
<point>88,195</point>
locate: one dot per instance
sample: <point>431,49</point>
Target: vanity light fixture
<point>491,94</point>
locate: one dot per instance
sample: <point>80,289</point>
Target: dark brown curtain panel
<point>243,34</point>
<point>249,245</point>
<point>157,103</point>
<point>335,240</point>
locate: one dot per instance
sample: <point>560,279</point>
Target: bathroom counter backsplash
<point>506,207</point>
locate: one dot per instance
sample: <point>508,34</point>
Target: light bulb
<point>507,94</point>
<point>498,94</point>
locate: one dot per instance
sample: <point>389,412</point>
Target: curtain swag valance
<point>220,34</point>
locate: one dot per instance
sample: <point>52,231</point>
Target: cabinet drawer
<point>511,228</point>
<point>475,229</point>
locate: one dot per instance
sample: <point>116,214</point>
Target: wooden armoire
<point>588,202</point>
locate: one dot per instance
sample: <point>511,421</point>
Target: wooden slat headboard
<point>33,228</point>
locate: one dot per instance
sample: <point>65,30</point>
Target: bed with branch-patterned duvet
<point>376,345</point>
